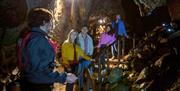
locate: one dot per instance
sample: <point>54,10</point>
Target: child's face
<point>84,30</point>
<point>48,26</point>
<point>118,17</point>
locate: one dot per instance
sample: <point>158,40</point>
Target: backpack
<point>21,44</point>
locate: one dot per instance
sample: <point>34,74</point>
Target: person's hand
<point>71,78</point>
<point>98,49</point>
<point>60,69</point>
<point>92,60</point>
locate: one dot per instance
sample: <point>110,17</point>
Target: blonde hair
<point>69,35</point>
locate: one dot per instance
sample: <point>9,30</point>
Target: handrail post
<point>118,51</point>
<point>123,47</point>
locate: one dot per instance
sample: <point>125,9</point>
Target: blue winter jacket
<point>39,56</point>
<point>121,28</point>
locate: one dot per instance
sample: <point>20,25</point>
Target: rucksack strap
<point>22,43</point>
<point>75,59</point>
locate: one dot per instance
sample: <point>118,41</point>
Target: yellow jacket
<point>68,53</point>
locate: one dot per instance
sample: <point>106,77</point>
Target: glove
<point>71,78</point>
<point>92,60</point>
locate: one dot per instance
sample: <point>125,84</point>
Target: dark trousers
<point>102,57</point>
<point>70,86</point>
<point>27,86</point>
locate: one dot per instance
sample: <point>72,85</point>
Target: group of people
<point>76,54</point>
<point>37,54</point>
<point>113,32</point>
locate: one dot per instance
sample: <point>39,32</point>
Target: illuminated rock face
<point>147,6</point>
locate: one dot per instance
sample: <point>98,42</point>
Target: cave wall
<point>174,9</point>
<point>74,14</point>
<point>138,24</point>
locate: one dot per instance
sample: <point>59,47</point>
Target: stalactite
<point>146,6</point>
